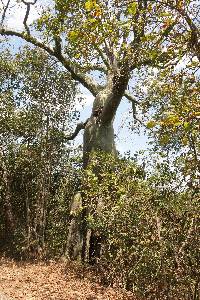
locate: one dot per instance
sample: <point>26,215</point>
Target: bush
<point>151,237</point>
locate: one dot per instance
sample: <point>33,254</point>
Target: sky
<point>126,140</point>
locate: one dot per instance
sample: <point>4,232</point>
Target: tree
<point>110,39</point>
<point>171,112</point>
<point>36,111</point>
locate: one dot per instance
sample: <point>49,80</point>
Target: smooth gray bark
<point>98,136</point>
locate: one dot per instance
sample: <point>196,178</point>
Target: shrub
<point>151,237</point>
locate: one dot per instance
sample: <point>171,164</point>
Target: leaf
<point>78,55</point>
<point>164,139</point>
<point>151,124</point>
<point>186,125</point>
<point>73,35</point>
<point>185,141</point>
<point>153,53</point>
<point>90,4</point>
<point>132,8</point>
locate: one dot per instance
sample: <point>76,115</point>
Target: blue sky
<point>126,139</point>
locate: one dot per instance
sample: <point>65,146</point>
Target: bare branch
<point>32,3</point>
<point>5,8</point>
<point>130,97</point>
<point>103,56</point>
<point>79,127</point>
<point>29,39</point>
<point>28,6</point>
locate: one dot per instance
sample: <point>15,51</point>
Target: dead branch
<point>28,7</point>
<point>5,8</point>
<point>79,127</point>
<point>130,97</point>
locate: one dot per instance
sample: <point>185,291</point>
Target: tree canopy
<point>103,36</point>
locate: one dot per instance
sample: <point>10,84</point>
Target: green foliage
<point>149,227</point>
<point>150,232</point>
<point>37,109</point>
<point>133,31</point>
<point>171,111</point>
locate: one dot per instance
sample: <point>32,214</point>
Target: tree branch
<point>163,57</point>
<point>85,80</point>
<point>28,7</point>
<point>31,3</point>
<point>130,97</point>
<point>195,32</point>
<point>103,56</point>
<point>133,102</point>
<point>95,68</point>
<point>5,8</point>
<point>58,46</point>
<point>76,74</point>
<point>79,127</point>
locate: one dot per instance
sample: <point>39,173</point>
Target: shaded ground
<point>53,280</point>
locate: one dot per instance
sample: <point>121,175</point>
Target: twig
<point>26,18</point>
<point>4,11</point>
<point>78,128</point>
<point>28,7</point>
<point>130,97</point>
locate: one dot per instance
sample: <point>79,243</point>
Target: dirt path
<point>52,280</point>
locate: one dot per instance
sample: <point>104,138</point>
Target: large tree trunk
<point>7,205</point>
<point>98,136</point>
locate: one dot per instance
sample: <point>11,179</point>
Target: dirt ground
<point>53,280</point>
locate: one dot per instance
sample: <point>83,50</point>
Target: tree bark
<point>83,243</point>
<point>7,205</point>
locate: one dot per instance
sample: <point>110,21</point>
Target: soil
<point>53,280</point>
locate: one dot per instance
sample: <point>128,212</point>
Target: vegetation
<point>138,223</point>
<point>150,231</point>
<point>36,110</point>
